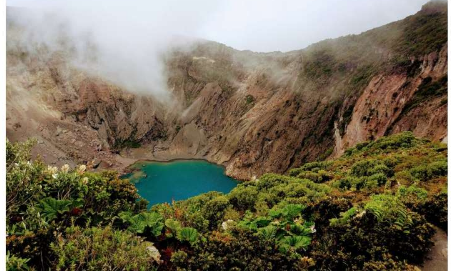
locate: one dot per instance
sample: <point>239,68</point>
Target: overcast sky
<point>257,25</point>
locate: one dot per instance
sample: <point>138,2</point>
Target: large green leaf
<point>50,207</point>
<point>292,210</point>
<point>155,222</point>
<point>137,224</point>
<point>268,232</point>
<point>302,230</point>
<point>294,243</point>
<point>187,234</point>
<point>173,225</point>
<point>146,221</point>
<point>288,212</point>
<point>125,216</point>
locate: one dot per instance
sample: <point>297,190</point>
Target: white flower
<point>55,175</point>
<point>85,180</point>
<point>312,228</point>
<point>65,168</point>
<point>360,214</point>
<point>81,169</point>
<point>52,170</point>
<point>226,224</point>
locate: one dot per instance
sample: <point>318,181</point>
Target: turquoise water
<point>160,182</point>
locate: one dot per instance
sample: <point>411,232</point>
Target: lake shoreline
<point>128,169</point>
<point>148,152</point>
<point>178,179</point>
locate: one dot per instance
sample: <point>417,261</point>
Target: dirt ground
<point>438,257</point>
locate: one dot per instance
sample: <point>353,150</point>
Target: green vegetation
<point>426,33</point>
<point>128,143</point>
<point>371,209</point>
<point>102,249</point>
<point>249,99</point>
<point>349,62</point>
<point>426,90</point>
<point>321,65</point>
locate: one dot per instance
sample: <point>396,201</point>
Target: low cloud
<point>122,43</point>
<point>125,41</point>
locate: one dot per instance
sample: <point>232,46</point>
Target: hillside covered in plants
<point>374,208</point>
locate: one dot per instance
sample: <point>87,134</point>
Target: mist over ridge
<point>126,43</point>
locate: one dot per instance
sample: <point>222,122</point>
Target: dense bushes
<point>43,201</point>
<point>102,249</point>
<point>240,249</point>
<point>429,171</point>
<point>424,34</point>
<point>384,144</point>
<point>435,209</point>
<point>371,209</point>
<point>383,234</point>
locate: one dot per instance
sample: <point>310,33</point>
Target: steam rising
<point>122,43</point>
<point>126,41</point>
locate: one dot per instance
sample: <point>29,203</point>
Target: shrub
<point>369,167</point>
<point>345,183</point>
<point>429,171</point>
<point>14,263</point>
<point>269,180</point>
<point>24,174</point>
<point>318,177</point>
<point>238,250</point>
<point>214,210</point>
<point>249,99</point>
<point>420,172</point>
<point>243,198</point>
<point>49,199</point>
<point>385,144</point>
<point>313,166</point>
<point>438,168</point>
<point>345,217</point>
<point>412,193</point>
<point>435,209</point>
<point>395,234</point>
<point>388,209</point>
<point>379,179</point>
<point>102,249</point>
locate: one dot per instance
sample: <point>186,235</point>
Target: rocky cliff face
<point>252,112</point>
<point>397,102</point>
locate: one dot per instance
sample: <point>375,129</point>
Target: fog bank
<point>124,41</point>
